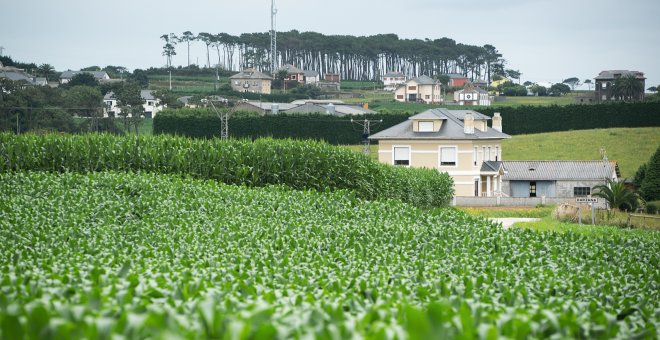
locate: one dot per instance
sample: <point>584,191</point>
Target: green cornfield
<point>126,255</point>
<point>296,164</point>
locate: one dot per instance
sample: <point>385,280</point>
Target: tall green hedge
<point>297,164</point>
<point>334,130</point>
<point>340,130</point>
<point>538,119</point>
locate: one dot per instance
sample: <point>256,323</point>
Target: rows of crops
<point>297,164</point>
<point>146,255</point>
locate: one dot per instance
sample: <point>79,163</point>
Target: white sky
<point>547,40</point>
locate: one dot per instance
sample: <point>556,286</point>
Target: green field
<point>133,256</point>
<point>631,147</point>
<point>567,99</point>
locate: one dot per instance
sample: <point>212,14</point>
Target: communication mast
<point>273,38</point>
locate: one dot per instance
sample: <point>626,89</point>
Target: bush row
<point>332,129</point>
<point>340,130</point>
<point>297,164</point>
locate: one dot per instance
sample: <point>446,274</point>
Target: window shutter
<point>402,154</point>
<point>447,155</point>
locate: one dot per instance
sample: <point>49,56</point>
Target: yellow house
<point>251,80</point>
<point>458,142</point>
<point>421,89</point>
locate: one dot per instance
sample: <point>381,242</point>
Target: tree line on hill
<point>354,58</point>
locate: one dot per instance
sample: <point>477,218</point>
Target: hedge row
<point>340,130</point>
<point>334,130</point>
<point>297,164</point>
<point>538,119</point>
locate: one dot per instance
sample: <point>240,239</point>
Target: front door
<point>476,188</point>
<point>412,97</point>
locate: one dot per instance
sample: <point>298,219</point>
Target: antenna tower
<point>273,38</point>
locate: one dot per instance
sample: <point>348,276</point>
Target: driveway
<point>509,221</point>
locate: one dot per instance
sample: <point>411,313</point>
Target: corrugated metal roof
<point>452,128</point>
<point>97,74</point>
<point>560,170</point>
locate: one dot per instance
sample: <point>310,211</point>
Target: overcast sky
<point>547,40</point>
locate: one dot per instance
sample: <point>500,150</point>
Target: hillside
<point>631,147</point>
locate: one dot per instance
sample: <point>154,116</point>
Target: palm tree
<point>617,195</point>
<point>628,87</point>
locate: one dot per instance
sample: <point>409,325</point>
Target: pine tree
<point>651,183</point>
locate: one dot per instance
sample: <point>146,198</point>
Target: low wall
<point>463,201</point>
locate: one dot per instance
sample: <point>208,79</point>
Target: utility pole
<point>273,38</point>
<point>366,131</point>
<point>224,121</point>
<point>170,80</point>
<point>1,49</point>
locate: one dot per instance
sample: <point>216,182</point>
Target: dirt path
<point>509,221</point>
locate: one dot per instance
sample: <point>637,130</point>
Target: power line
<point>366,131</point>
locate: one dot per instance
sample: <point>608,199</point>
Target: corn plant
<point>142,255</point>
<point>297,164</point>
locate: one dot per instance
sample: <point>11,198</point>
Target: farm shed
<point>561,179</point>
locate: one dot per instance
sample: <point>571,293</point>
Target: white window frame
<point>394,147</point>
<point>475,156</point>
<point>440,165</point>
<point>490,155</point>
<point>497,153</point>
<point>426,122</point>
<point>483,155</point>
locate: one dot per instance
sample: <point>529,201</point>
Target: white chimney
<point>497,122</point>
<point>468,123</point>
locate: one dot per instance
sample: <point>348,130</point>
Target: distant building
<point>251,80</point>
<point>605,82</point>
<point>311,77</point>
<point>458,142</point>
<point>100,76</point>
<point>393,79</point>
<point>336,108</point>
<point>151,104</point>
<point>561,179</point>
<point>21,76</point>
<point>333,77</point>
<point>471,95</point>
<point>480,83</point>
<point>293,73</point>
<point>457,80</point>
<point>420,89</point>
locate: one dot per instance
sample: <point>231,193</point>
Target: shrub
<point>653,207</point>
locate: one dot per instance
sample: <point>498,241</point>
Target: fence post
<point>579,216</point>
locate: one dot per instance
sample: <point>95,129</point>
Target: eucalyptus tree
<point>187,37</point>
<point>588,82</point>
<point>169,49</point>
<point>355,57</point>
<point>207,39</point>
<point>572,82</point>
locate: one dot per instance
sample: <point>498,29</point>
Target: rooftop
<point>452,127</point>
<point>560,170</point>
